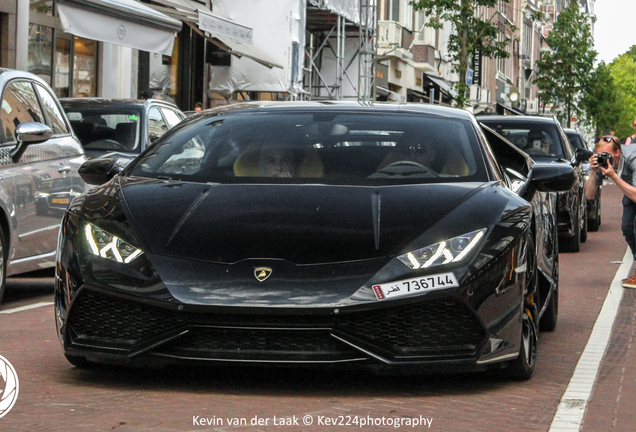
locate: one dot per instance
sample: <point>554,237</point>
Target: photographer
<point>610,155</point>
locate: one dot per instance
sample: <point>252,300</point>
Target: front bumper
<point>104,327</point>
<point>107,316</point>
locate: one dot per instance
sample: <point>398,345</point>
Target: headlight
<point>444,252</point>
<point>108,246</point>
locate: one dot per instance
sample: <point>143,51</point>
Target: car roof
<point>516,119</point>
<point>339,106</point>
<point>106,102</point>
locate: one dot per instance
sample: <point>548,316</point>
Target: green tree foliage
<point>600,100</point>
<point>469,33</point>
<point>623,71</point>
<point>564,69</point>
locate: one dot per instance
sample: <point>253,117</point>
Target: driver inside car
<point>421,153</point>
<point>276,161</point>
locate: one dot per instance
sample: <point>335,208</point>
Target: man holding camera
<point>610,155</point>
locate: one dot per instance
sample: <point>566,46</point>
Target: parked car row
<point>545,141</point>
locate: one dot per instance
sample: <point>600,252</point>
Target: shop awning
<point>501,108</point>
<point>205,22</point>
<point>121,22</point>
<point>241,49</point>
<point>393,96</point>
<point>417,94</point>
<point>443,86</point>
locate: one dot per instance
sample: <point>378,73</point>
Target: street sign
<point>469,76</point>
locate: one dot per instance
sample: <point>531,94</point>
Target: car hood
<point>302,224</point>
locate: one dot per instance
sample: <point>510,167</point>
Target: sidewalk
<point>602,389</point>
<point>611,407</point>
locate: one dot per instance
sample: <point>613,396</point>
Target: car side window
<point>19,105</point>
<point>53,111</point>
<point>156,124</point>
<point>171,117</point>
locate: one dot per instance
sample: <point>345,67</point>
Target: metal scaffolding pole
<point>327,62</point>
<point>366,58</point>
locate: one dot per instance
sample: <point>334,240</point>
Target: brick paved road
<point>54,396</point>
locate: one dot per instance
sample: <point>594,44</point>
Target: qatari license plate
<point>414,286</point>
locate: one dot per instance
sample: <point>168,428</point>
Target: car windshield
<point>328,147</point>
<point>538,140</point>
<point>106,129</point>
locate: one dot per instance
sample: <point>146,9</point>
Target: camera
<point>603,158</point>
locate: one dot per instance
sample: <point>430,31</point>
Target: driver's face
<point>276,162</point>
<point>421,153</point>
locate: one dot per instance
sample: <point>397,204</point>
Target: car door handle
<point>64,169</point>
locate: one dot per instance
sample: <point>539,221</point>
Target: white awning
<point>120,22</point>
<point>191,14</point>
<point>241,49</point>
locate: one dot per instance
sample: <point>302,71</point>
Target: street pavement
<point>55,396</point>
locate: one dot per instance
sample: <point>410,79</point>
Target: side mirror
<point>583,155</point>
<point>29,133</point>
<point>552,177</point>
<point>99,171</point>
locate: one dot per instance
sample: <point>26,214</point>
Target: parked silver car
<point>39,159</point>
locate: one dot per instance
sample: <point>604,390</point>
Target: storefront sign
<point>477,66</point>
<point>222,27</point>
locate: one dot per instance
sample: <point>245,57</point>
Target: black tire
<point>594,224</point>
<point>550,316</point>
<point>3,264</point>
<point>585,226</point>
<point>572,244</point>
<point>522,367</point>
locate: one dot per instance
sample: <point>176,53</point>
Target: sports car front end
<point>396,268</point>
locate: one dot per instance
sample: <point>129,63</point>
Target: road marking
<point>27,307</point>
<point>571,410</point>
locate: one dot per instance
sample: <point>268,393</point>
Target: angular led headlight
<point>108,246</point>
<point>444,252</point>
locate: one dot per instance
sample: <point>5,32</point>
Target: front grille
<point>439,324</point>
<point>443,327</point>
<point>98,316</point>
<point>258,343</point>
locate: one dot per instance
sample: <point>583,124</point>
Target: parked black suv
<point>593,205</point>
<point>544,140</point>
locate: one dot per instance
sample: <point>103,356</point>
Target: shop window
<point>44,7</point>
<point>40,54</point>
<point>84,67</point>
<point>62,78</point>
<point>19,105</point>
<point>163,74</point>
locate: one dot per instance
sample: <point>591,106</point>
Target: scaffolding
<point>340,51</point>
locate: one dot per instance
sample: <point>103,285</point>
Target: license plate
<point>59,200</point>
<point>414,286</point>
